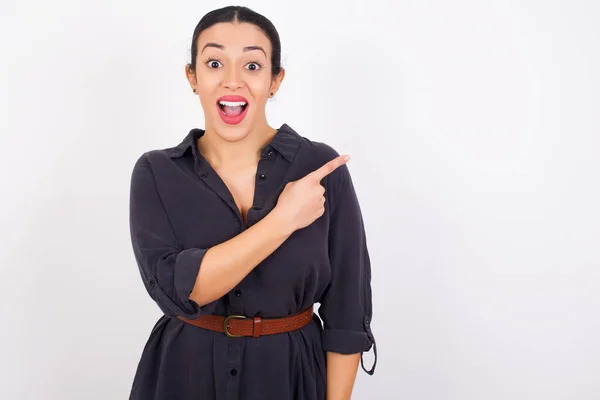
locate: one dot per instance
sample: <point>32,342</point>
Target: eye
<point>213,63</point>
<point>256,65</point>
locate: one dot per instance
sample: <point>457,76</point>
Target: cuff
<point>345,341</point>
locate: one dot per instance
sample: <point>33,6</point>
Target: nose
<point>232,79</point>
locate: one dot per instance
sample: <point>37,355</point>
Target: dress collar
<point>285,141</point>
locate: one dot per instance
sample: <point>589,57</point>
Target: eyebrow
<point>221,47</point>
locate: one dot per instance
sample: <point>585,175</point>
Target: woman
<point>235,242</point>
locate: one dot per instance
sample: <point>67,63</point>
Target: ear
<point>276,82</point>
<point>191,76</point>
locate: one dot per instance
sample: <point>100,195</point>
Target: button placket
<point>260,189</point>
<point>267,153</point>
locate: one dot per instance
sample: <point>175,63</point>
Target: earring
<point>194,90</point>
<point>271,94</point>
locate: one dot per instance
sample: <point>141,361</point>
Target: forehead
<point>234,36</point>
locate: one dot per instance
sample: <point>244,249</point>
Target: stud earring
<point>271,94</point>
<point>194,90</point>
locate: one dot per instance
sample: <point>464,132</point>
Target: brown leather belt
<point>239,325</point>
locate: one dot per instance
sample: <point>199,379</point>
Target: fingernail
<point>346,158</point>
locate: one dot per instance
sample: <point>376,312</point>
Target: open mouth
<point>232,108</point>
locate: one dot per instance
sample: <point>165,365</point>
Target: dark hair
<point>240,14</point>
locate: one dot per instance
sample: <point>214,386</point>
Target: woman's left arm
<point>341,374</point>
<point>346,305</point>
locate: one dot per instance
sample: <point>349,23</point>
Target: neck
<point>238,153</point>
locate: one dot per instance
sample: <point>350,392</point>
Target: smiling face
<point>233,78</point>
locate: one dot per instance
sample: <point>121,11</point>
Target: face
<point>233,78</point>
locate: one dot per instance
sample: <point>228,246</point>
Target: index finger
<point>329,167</point>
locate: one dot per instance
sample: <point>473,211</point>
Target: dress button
<point>152,283</point>
<point>233,371</point>
<point>262,177</point>
<point>238,292</point>
<point>270,153</point>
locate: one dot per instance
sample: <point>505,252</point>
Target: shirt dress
<point>179,208</point>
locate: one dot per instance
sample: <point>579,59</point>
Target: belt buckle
<point>226,322</point>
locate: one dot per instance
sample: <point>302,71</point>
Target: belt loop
<point>256,327</point>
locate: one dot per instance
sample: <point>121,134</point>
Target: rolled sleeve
<point>346,305</point>
<point>345,341</point>
<point>168,271</point>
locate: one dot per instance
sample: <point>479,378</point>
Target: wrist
<point>280,223</point>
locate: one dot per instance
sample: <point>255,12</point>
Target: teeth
<point>232,103</point>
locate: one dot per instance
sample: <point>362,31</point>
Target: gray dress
<point>179,208</point>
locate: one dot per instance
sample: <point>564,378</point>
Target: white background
<point>473,129</point>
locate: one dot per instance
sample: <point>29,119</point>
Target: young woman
<point>238,231</point>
